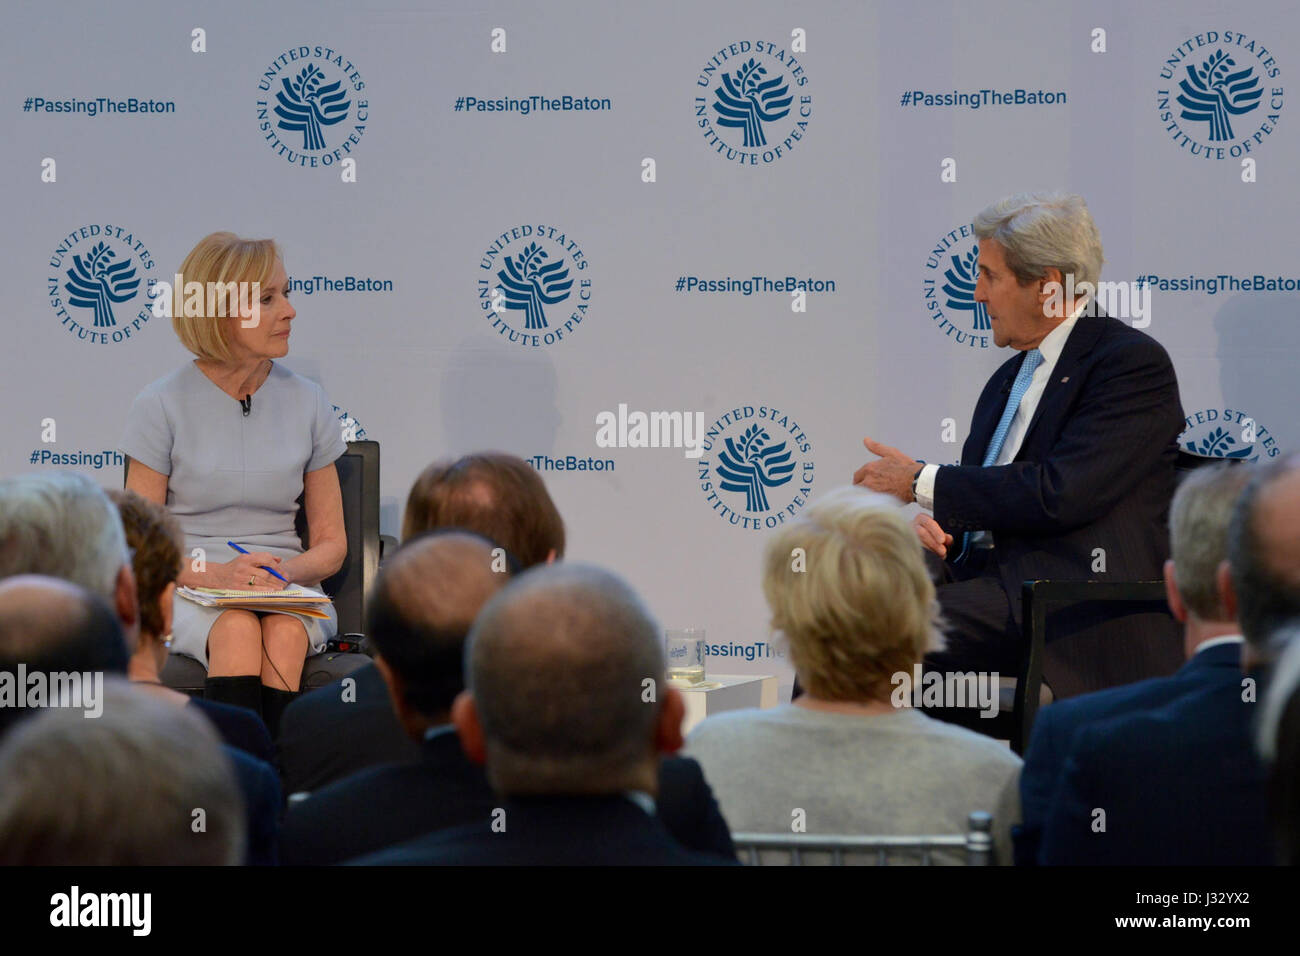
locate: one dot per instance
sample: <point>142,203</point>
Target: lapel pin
<point>1064,380</point>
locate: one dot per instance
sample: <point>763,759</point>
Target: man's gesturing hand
<point>933,538</point>
<point>892,475</point>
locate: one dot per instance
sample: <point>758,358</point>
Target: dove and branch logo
<point>751,464</point>
<point>1218,444</point>
<point>747,99</point>
<point>1216,91</point>
<point>306,106</point>
<point>959,286</point>
<point>1229,434</point>
<point>529,282</point>
<point>97,282</point>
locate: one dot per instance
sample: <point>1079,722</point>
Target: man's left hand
<point>891,475</point>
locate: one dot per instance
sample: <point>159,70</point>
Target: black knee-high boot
<point>239,691</point>
<point>274,701</point>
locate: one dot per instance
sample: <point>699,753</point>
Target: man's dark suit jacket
<point>1180,786</point>
<point>260,787</point>
<point>238,727</point>
<point>1057,724</point>
<point>1095,470</point>
<point>383,806</point>
<point>564,831</point>
<point>324,738</point>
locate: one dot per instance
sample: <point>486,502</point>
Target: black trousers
<point>980,632</point>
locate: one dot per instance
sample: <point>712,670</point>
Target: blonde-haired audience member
<point>858,613</point>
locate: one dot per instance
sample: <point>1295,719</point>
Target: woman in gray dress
<point>228,442</point>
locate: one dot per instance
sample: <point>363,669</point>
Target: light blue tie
<point>1033,358</point>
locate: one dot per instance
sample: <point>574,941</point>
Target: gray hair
<point>1042,231</point>
<point>1198,534</point>
<point>556,663</point>
<point>121,789</point>
<point>62,525</point>
<point>1266,585</point>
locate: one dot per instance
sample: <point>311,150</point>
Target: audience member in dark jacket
<point>421,608</point>
<point>1198,534</point>
<point>568,707</point>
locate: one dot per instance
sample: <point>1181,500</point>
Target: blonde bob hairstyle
<point>858,605</point>
<point>221,259</point>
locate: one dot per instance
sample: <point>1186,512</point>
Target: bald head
<point>51,625</point>
<point>557,665</point>
<point>424,602</point>
<point>1264,553</point>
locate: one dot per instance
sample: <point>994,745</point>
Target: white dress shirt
<point>1051,347</point>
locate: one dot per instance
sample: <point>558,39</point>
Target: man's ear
<point>1050,274</point>
<point>126,602</point>
<point>464,714</point>
<point>1227,593</point>
<point>393,683</point>
<point>668,729</point>
<point>1173,595</point>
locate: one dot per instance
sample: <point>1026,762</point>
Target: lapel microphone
<point>246,403</point>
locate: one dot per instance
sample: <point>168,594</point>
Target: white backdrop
<point>855,202</point>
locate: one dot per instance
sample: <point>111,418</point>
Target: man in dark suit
<point>344,727</point>
<point>1198,534</point>
<point>568,707</point>
<point>421,609</point>
<point>1183,785</point>
<point>1069,463</point>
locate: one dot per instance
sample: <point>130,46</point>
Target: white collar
<point>1054,342</point>
<point>1216,641</point>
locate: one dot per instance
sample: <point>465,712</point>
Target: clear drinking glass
<point>684,652</point>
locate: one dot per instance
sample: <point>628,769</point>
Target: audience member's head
<point>1262,580</point>
<point>858,605</point>
<point>418,616</point>
<point>1279,743</point>
<point>155,540</point>
<point>63,525</point>
<point>1198,538</point>
<point>122,789</point>
<point>566,687</point>
<point>493,494</point>
<point>49,625</point>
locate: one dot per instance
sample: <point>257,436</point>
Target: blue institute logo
<point>755,469</point>
<point>1212,92</point>
<point>1227,433</point>
<point>751,105</point>
<point>98,285</point>
<point>949,287</point>
<point>528,288</point>
<point>311,111</point>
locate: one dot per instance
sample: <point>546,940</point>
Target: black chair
<point>1041,597</point>
<point>358,469</point>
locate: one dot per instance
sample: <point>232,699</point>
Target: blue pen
<point>262,566</point>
